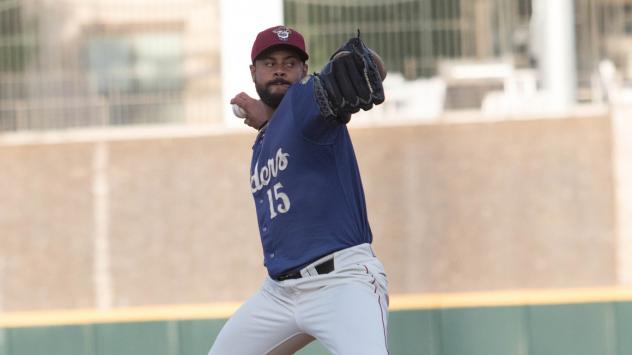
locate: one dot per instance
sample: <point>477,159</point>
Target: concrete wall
<point>622,128</point>
<point>117,220</point>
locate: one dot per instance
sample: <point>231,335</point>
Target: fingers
<point>256,112</point>
<point>331,86</point>
<point>356,69</point>
<point>352,82</point>
<point>343,82</point>
<point>242,99</point>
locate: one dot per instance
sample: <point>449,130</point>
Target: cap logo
<point>283,33</point>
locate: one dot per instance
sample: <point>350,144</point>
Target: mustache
<point>279,81</point>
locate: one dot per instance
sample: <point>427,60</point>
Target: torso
<point>306,185</point>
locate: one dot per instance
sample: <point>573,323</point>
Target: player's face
<point>274,72</point>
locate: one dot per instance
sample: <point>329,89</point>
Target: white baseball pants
<point>346,310</point>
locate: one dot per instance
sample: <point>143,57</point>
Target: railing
<point>68,100</point>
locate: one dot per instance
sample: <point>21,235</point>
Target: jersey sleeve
<point>306,114</point>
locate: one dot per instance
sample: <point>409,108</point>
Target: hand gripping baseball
<point>352,80</point>
<point>254,112</point>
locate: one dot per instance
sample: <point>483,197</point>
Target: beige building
<point>75,63</point>
<point>87,63</point>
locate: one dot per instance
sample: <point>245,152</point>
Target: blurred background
<point>498,172</point>
<point>69,64</point>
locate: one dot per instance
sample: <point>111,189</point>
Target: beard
<point>267,96</point>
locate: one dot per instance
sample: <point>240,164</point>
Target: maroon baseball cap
<point>278,36</point>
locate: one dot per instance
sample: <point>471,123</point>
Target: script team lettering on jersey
<point>261,178</point>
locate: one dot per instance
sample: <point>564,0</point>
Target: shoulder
<point>301,93</point>
<point>302,104</point>
<point>305,84</point>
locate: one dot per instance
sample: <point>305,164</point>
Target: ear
<point>305,69</point>
<point>252,71</point>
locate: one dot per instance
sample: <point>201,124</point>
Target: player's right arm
<point>257,113</point>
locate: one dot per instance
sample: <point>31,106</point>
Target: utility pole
<point>554,24</point>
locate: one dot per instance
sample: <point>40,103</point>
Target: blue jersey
<point>306,184</point>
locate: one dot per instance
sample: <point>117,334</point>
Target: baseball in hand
<point>238,111</point>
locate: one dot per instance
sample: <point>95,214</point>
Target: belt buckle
<point>323,268</point>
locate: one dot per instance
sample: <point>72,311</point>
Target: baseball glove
<point>350,81</point>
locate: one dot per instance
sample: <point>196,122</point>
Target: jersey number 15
<point>282,200</point>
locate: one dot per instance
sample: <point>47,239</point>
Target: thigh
<point>349,318</point>
<point>265,324</point>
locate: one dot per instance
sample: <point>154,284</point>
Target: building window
<point>140,75</point>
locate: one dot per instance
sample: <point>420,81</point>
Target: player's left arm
<point>352,80</point>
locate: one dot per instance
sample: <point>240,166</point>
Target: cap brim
<point>302,55</point>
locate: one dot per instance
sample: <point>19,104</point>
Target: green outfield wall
<point>576,328</point>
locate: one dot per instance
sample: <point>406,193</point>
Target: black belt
<point>322,268</point>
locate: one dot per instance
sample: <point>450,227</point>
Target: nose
<point>279,72</point>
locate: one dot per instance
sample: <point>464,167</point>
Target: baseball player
<point>324,281</point>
